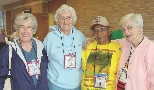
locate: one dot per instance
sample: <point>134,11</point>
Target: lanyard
<point>62,42</point>
<point>130,53</point>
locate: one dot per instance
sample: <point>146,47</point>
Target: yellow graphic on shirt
<point>101,61</point>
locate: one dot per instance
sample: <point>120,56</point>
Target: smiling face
<point>25,31</point>
<point>130,31</point>
<point>101,34</point>
<point>65,21</point>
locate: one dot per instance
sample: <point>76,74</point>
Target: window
<point>1,19</point>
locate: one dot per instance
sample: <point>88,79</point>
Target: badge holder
<point>70,61</point>
<point>100,80</point>
<point>33,67</point>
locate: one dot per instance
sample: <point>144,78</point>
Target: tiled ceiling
<point>4,2</point>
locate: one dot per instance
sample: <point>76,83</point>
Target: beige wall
<point>1,7</point>
<point>113,10</point>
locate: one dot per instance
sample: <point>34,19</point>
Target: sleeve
<point>48,44</point>
<point>45,42</point>
<point>149,59</point>
<point>84,58</point>
<point>4,67</point>
<point>44,59</point>
<point>122,42</point>
<point>83,38</point>
<point>114,68</point>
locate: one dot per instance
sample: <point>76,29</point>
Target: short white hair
<point>65,8</point>
<point>23,17</point>
<point>136,18</point>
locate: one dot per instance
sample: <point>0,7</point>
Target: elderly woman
<point>100,59</point>
<point>2,38</point>
<point>29,59</point>
<point>136,70</point>
<point>64,48</point>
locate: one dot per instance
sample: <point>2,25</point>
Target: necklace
<point>141,41</point>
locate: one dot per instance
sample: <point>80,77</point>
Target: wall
<point>113,10</point>
<point>39,9</point>
<point>53,5</point>
<point>1,7</point>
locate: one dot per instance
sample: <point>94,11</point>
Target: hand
<point>87,42</point>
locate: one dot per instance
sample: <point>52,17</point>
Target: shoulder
<point>4,51</point>
<point>146,43</point>
<point>49,33</point>
<point>92,44</point>
<point>38,43</point>
<point>114,44</point>
<point>76,31</point>
<point>151,46</point>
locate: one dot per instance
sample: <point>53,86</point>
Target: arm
<point>4,65</point>
<point>87,42</point>
<point>46,42</point>
<point>149,59</point>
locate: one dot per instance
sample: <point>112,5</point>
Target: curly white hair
<point>65,8</point>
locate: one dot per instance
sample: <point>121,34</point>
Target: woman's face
<point>65,21</point>
<point>101,34</point>
<point>130,31</point>
<point>25,31</point>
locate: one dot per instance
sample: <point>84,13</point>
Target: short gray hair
<point>65,8</point>
<point>136,18</point>
<point>23,17</point>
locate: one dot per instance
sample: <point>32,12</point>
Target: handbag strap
<point>10,56</point>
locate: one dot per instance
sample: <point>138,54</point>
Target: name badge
<point>100,80</point>
<point>70,61</point>
<point>33,67</point>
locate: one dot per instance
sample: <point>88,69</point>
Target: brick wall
<point>113,10</point>
<point>19,6</point>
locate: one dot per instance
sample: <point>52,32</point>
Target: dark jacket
<point>20,80</point>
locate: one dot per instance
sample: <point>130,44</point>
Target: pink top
<point>141,65</point>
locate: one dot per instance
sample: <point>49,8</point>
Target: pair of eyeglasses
<point>68,18</point>
<point>21,27</point>
<point>127,28</point>
<point>102,29</point>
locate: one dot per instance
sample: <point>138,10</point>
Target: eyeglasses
<point>68,18</point>
<point>128,28</point>
<point>102,29</point>
<point>21,27</point>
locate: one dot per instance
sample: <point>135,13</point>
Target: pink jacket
<point>141,65</point>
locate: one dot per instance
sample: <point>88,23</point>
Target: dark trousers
<point>2,45</point>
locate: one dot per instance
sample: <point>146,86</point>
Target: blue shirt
<point>2,37</point>
<point>30,56</point>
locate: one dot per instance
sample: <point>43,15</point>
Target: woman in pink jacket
<point>136,67</point>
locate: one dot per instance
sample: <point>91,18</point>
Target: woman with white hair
<point>64,47</point>
<point>29,59</point>
<point>136,70</point>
